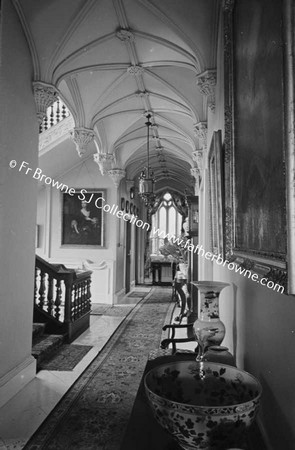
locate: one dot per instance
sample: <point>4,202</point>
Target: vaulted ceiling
<point>115,60</point>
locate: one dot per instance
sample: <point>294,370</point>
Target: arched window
<point>167,220</point>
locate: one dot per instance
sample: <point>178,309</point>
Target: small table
<point>165,271</point>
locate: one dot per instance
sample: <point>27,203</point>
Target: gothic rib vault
<point>112,62</point>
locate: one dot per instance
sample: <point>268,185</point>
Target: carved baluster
<point>36,286</point>
<point>86,296</point>
<point>57,111</point>
<point>57,302</point>
<point>68,298</point>
<point>75,304</point>
<point>42,290</point>
<point>51,115</point>
<point>45,123</point>
<point>78,301</point>
<point>83,300</point>
<point>86,308</point>
<point>89,293</point>
<point>64,111</point>
<point>72,313</point>
<point>50,302</point>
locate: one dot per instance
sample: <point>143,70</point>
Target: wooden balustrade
<point>54,114</point>
<point>62,298</point>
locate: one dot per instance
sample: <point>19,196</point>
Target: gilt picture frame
<point>258,151</point>
<point>83,219</point>
<point>215,168</point>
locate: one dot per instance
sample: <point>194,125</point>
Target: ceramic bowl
<point>203,405</point>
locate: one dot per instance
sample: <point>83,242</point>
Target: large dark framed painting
<point>255,144</point>
<point>83,218</point>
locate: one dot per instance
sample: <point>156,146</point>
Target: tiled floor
<point>22,415</point>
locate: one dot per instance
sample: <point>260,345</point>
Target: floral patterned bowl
<point>203,405</point>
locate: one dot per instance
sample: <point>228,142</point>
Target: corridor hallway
<point>95,96</point>
<point>117,379</point>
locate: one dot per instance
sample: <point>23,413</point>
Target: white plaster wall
<point>260,330</point>
<point>19,141</point>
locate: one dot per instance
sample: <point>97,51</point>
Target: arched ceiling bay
<point>115,60</point>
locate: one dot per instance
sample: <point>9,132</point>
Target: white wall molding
<point>13,381</point>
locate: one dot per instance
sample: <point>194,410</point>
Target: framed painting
<point>216,193</point>
<point>256,143</point>
<point>83,218</point>
<point>193,214</point>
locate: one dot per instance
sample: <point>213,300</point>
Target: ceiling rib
<point>166,20</point>
<point>76,95</point>
<point>80,17</point>
<point>135,69</point>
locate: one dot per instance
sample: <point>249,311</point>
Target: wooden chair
<point>173,340</point>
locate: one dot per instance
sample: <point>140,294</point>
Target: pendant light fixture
<point>146,179</point>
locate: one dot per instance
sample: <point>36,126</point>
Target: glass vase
<point>208,328</point>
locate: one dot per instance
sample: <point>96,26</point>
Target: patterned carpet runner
<point>107,310</point>
<point>94,413</point>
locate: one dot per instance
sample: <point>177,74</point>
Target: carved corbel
<point>104,161</point>
<point>45,95</point>
<point>198,157</point>
<point>206,82</point>
<point>196,174</point>
<point>200,130</point>
<point>82,137</point>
